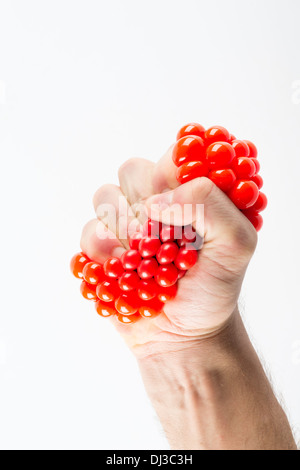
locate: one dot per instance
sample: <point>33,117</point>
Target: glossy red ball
<point>147,268</point>
<point>188,149</point>
<point>166,275</point>
<point>105,309</point>
<point>241,148</point>
<point>93,273</point>
<point>224,179</point>
<point>113,268</point>
<point>190,171</point>
<point>77,264</point>
<point>191,129</point>
<point>147,289</point>
<point>129,281</point>
<point>216,134</point>
<point>243,167</point>
<point>220,155</point>
<point>167,253</point>
<point>151,309</point>
<point>131,259</point>
<point>108,290</point>
<point>166,294</point>
<point>252,149</point>
<point>148,247</point>
<point>88,291</point>
<point>244,194</point>
<point>186,259</point>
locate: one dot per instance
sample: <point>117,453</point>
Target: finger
<point>164,174</point>
<point>135,178</point>
<point>99,243</point>
<point>112,208</point>
<point>201,203</point>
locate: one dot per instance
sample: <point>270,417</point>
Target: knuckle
<point>202,188</point>
<point>103,194</point>
<point>243,239</point>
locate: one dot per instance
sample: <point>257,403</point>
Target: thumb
<point>201,203</point>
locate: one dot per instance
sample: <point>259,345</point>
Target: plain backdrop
<point>85,85</point>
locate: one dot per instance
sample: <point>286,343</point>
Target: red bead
<point>167,293</point>
<point>129,319</point>
<point>152,228</point>
<point>257,179</point>
<point>232,138</point>
<point>147,268</point>
<point>77,264</point>
<point>220,155</point>
<point>255,218</point>
<point>241,148</point>
<point>113,268</point>
<point>88,291</point>
<point>186,259</point>
<point>243,167</point>
<point>169,233</point>
<point>151,309</point>
<point>167,253</point>
<point>191,129</point>
<point>188,149</point>
<point>190,171</point>
<point>257,165</point>
<point>244,194</point>
<point>135,240</point>
<point>260,204</point>
<point>181,273</point>
<point>108,290</point>
<point>148,247</point>
<point>131,259</point>
<point>252,149</point>
<point>127,304</point>
<point>93,273</point>
<point>105,309</point>
<point>148,289</point>
<point>166,275</point>
<point>216,134</point>
<point>224,179</point>
<point>129,281</point>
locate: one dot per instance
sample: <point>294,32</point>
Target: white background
<point>85,85</point>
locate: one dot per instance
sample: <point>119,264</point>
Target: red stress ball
<point>148,274</point>
<point>188,149</point>
<point>77,264</point>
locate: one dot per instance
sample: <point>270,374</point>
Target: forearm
<point>214,394</point>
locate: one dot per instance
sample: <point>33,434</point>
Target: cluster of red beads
<point>230,163</point>
<point>145,277</point>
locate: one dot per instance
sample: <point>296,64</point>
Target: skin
<point>197,362</point>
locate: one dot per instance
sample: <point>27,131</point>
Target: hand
<point>207,298</point>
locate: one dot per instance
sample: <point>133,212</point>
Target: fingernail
<point>161,201</point>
